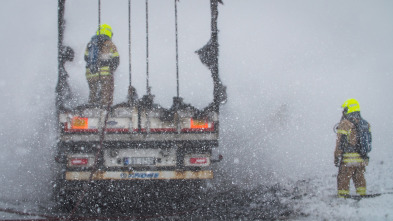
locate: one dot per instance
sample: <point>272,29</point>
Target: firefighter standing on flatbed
<point>102,59</point>
<point>346,155</point>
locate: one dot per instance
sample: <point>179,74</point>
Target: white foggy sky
<point>309,54</point>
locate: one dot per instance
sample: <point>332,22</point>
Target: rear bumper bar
<point>139,175</point>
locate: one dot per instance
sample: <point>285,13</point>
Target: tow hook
<point>60,159</point>
<point>220,157</point>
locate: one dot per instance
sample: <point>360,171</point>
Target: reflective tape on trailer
<point>140,175</point>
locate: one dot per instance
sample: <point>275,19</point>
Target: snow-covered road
<point>312,199</point>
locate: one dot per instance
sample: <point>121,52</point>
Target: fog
<point>288,66</point>
<point>310,56</point>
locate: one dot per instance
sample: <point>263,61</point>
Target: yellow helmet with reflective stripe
<point>105,30</point>
<point>350,106</point>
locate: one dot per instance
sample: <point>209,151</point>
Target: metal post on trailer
<point>177,51</point>
<point>131,90</point>
<point>148,92</point>
<point>99,70</point>
<point>60,37</point>
<point>65,53</point>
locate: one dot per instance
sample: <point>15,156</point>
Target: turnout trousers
<point>106,83</point>
<point>348,172</point>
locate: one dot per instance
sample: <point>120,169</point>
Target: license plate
<point>139,161</point>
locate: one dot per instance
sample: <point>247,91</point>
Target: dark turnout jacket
<point>107,59</point>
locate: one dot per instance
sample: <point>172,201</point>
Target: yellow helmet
<point>105,30</point>
<point>350,106</point>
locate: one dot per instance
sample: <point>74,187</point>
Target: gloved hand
<point>337,161</point>
<point>366,160</point>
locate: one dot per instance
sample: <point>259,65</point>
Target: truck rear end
<point>129,145</point>
<point>136,143</point>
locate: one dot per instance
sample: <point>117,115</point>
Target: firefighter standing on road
<point>102,59</point>
<point>346,155</point>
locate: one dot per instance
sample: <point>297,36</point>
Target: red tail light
<point>198,160</point>
<point>79,161</point>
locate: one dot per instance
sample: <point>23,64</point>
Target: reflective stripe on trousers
<point>342,193</point>
<point>361,190</point>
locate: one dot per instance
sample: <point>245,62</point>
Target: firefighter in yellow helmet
<point>347,155</point>
<point>102,59</point>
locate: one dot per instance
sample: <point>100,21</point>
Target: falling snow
<point>287,66</point>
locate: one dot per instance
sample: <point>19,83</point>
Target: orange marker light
<point>79,123</point>
<point>199,124</point>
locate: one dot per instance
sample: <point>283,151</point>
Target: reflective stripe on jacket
<point>103,71</point>
<point>352,158</point>
<point>108,60</point>
<point>346,138</point>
